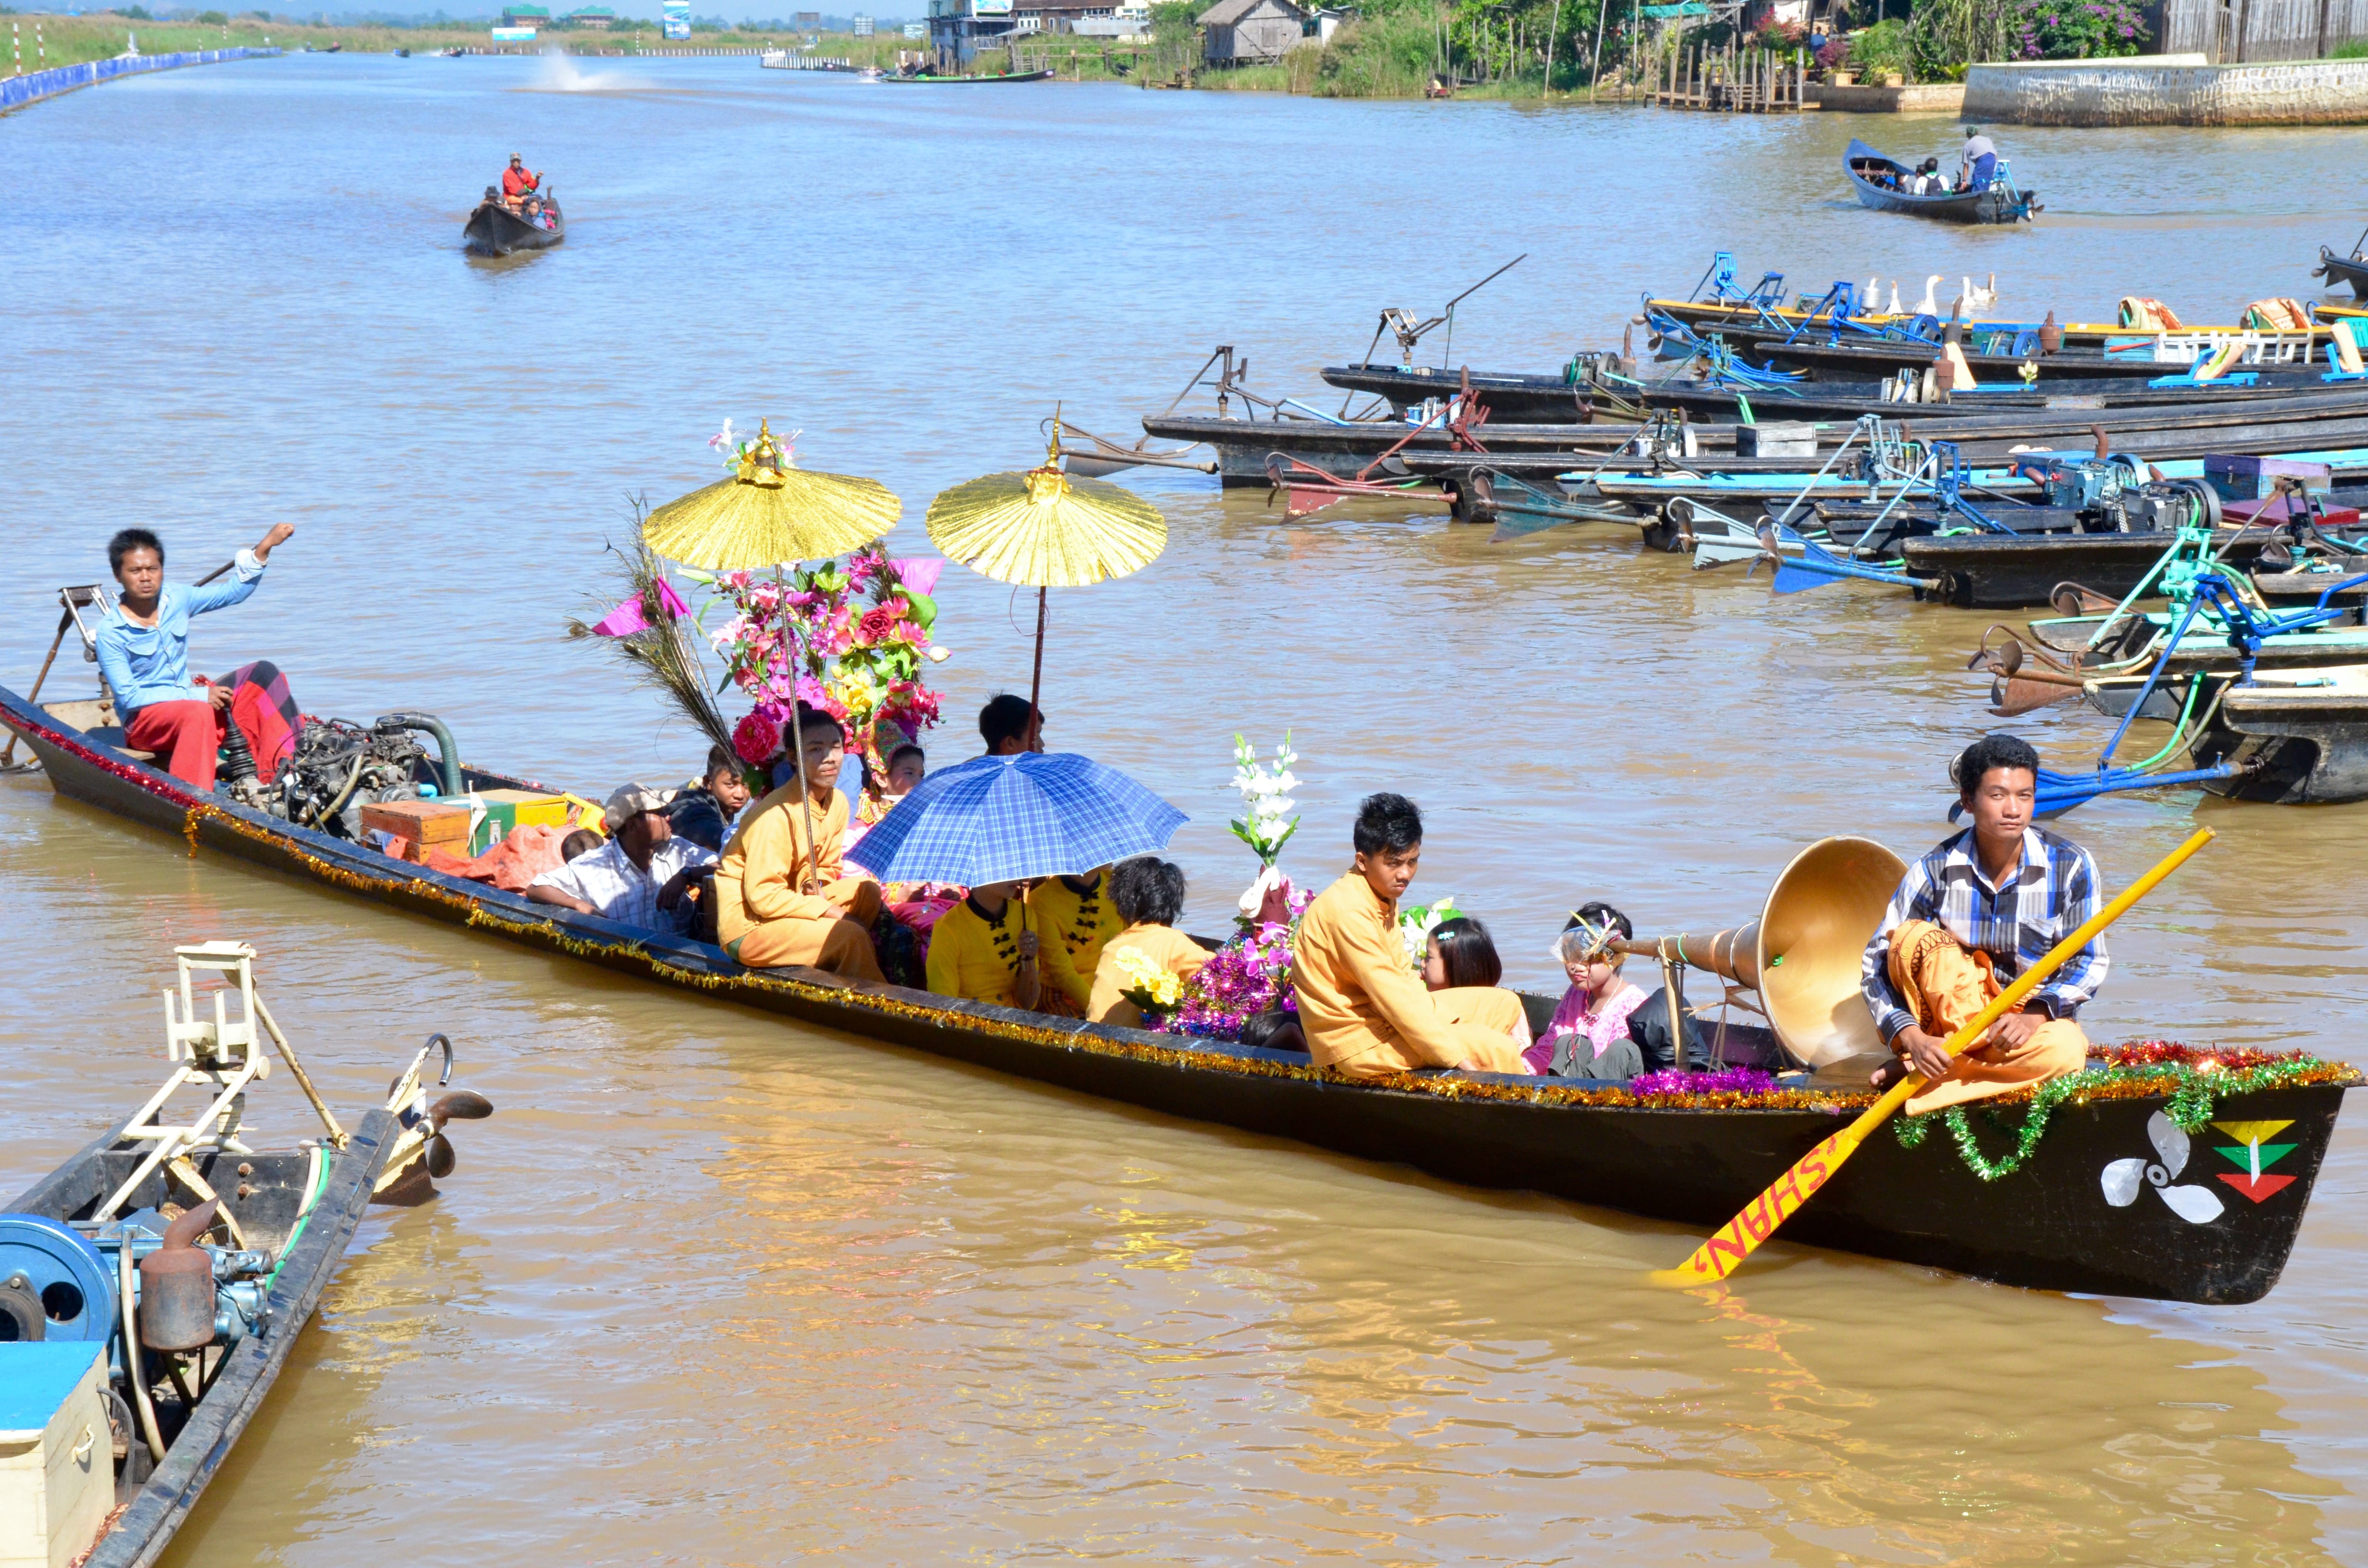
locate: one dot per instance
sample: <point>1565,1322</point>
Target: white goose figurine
<point>1895,297</point>
<point>1931,306</point>
<point>1980,301</point>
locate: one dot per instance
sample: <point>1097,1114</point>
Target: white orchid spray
<point>1266,797</point>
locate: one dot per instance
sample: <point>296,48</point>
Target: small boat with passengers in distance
<point>2073,1214</point>
<point>990,80</point>
<point>494,230</point>
<point>1998,202</point>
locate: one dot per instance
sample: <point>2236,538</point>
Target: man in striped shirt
<point>1970,916</point>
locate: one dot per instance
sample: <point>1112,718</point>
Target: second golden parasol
<point>1043,530</point>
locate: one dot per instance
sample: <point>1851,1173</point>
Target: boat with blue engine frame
<point>162,1275</point>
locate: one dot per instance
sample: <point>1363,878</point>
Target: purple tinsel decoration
<point>1249,974</point>
<point>1724,1081</point>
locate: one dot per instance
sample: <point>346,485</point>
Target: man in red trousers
<point>143,652</point>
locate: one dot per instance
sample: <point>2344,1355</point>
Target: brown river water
<point>711,1287</point>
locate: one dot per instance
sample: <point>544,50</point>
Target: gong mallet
<point>1739,1237</point>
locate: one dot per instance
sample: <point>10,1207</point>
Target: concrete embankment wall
<point>2313,92</point>
<point>16,92</point>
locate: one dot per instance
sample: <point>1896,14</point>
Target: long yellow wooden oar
<point>1739,1237</point>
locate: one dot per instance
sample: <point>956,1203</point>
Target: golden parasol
<point>1043,530</point>
<point>767,514</point>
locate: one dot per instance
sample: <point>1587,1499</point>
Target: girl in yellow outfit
<point>987,948</point>
<point>1148,895</point>
<point>1461,969</point>
<point>1079,910</point>
<point>782,899</point>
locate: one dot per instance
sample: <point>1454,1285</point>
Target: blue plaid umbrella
<point>997,819</point>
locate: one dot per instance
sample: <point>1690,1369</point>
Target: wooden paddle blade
<point>1739,1237</point>
<point>2013,696</point>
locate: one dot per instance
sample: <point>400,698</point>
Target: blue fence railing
<point>17,91</point>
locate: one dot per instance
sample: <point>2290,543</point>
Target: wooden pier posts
<point>1739,80</point>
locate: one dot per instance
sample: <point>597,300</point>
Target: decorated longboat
<point>2160,1172</point>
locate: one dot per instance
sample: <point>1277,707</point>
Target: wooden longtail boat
<point>273,1205</point>
<point>1995,572</point>
<point>2088,337</point>
<point>1860,358</point>
<point>184,1372</point>
<point>494,230</point>
<point>2166,437</point>
<point>1999,203</point>
<point>2298,732</point>
<point>968,81</point>
<point>2335,269</point>
<point>1515,398</point>
<point>2075,1217</point>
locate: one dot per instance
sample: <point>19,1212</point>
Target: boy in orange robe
<point>1362,1005</point>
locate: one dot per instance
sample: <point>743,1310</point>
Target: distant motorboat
<point>494,230</point>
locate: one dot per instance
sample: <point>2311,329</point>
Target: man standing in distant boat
<point>518,182</point>
<point>1981,161</point>
<point>1982,907</point>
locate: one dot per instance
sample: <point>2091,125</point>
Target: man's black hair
<point>1004,717</point>
<point>811,718</point>
<point>1991,751</point>
<point>1387,822</point>
<point>1468,952</point>
<point>128,541</point>
<point>1147,891</point>
<point>902,752</point>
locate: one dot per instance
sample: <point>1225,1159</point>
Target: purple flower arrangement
<point>1722,1081</point>
<point>1249,974</point>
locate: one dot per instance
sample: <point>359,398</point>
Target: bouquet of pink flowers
<point>852,640</point>
<point>1249,974</point>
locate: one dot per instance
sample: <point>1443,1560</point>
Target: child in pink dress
<point>1588,1037</point>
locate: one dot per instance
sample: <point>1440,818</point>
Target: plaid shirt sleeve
<point>2073,888</point>
<point>1917,899</point>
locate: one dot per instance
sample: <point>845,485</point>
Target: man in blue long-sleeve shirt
<point>1970,916</point>
<point>143,652</point>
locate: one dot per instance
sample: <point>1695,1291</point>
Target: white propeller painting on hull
<point>2124,1179</point>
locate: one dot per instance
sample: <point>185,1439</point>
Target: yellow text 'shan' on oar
<point>1739,1237</point>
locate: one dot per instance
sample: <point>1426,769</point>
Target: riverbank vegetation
<point>45,39</point>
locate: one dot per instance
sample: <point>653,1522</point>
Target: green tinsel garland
<point>2189,1102</point>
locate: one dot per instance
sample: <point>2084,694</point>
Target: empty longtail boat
<point>2076,1212</point>
<point>154,1285</point>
